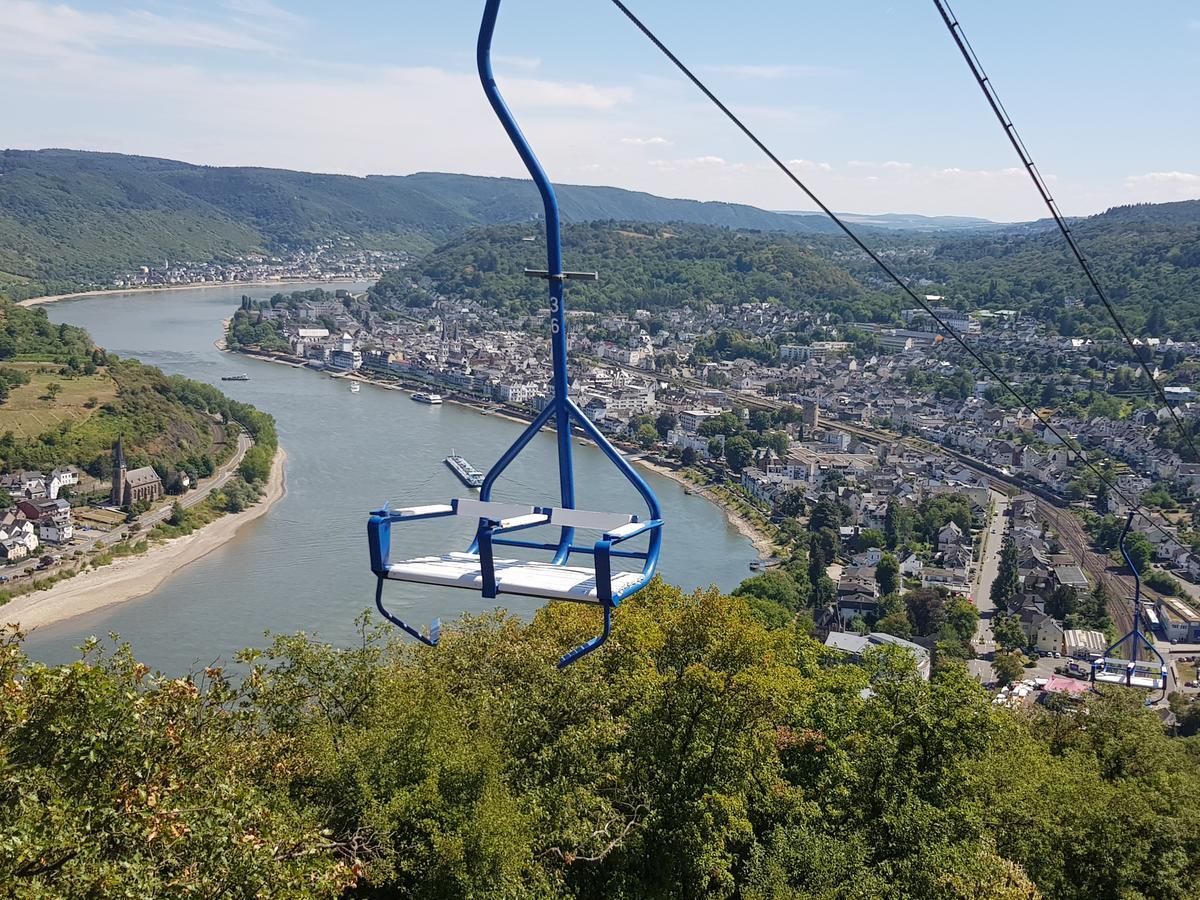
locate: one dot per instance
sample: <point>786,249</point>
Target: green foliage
<point>887,574</point>
<point>866,539</point>
<point>1008,632</point>
<point>898,525</point>
<point>828,513</point>
<point>665,422</point>
<point>791,503</point>
<point>937,512</point>
<point>1158,580</point>
<point>895,623</point>
<point>69,218</point>
<point>117,783</point>
<point>738,453</point>
<point>256,464</point>
<point>646,436</point>
<point>1091,611</point>
<point>9,379</point>
<point>237,494</point>
<point>1141,254</point>
<point>646,267</point>
<point>27,333</point>
<point>1140,551</point>
<point>1063,602</point>
<point>164,421</point>
<point>962,618</point>
<point>700,754</point>
<point>1008,665</point>
<point>926,609</point>
<point>249,329</point>
<point>1007,586</point>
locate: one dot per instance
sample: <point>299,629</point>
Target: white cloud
<point>1164,186</point>
<point>810,166</point>
<point>529,92</point>
<point>525,63</point>
<point>36,29</point>
<point>695,162</point>
<point>75,79</point>
<point>262,9</point>
<point>1185,178</point>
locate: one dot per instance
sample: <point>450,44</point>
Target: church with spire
<point>131,486</point>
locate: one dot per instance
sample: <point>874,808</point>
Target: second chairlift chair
<point>1149,673</point>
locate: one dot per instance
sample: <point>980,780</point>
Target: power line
<point>1010,130</point>
<point>849,232</point>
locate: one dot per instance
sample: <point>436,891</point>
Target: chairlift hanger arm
<point>562,276</point>
<point>1137,578</point>
<point>478,569</point>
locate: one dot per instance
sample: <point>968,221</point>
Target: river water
<point>303,566</point>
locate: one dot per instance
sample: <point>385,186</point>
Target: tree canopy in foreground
<point>700,754</point>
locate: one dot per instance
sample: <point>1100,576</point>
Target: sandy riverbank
<point>158,289</point>
<point>762,543</point>
<point>135,576</point>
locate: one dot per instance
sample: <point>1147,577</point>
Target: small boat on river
<point>467,473</point>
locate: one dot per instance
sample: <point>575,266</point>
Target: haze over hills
<point>912,221</point>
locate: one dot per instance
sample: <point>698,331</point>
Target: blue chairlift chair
<point>558,577</point>
<point>1132,669</point>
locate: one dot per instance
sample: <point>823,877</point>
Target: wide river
<point>303,566</point>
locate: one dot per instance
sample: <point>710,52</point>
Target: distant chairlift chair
<point>1133,670</point>
<point>478,568</point>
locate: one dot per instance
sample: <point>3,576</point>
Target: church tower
<point>117,497</point>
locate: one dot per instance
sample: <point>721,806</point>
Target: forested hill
<point>641,266</point>
<point>64,401</point>
<point>1147,257</point>
<point>69,217</point>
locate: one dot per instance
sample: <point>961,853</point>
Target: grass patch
<point>30,410</point>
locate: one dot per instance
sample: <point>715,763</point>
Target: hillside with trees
<point>701,754</point>
<point>1146,257</point>
<point>169,422</point>
<point>641,266</point>
<point>69,218</point>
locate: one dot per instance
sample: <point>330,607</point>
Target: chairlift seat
<point>1144,674</point>
<point>550,580</point>
<point>532,579</point>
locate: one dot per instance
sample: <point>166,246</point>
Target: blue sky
<point>869,100</point>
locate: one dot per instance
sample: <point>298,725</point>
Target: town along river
<point>304,565</point>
